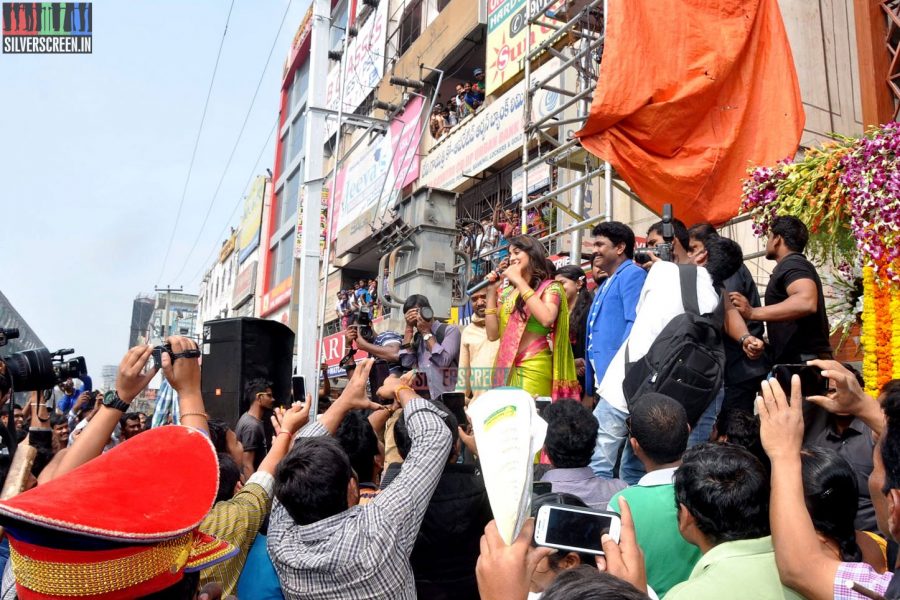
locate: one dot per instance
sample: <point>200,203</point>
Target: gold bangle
<point>195,414</point>
<point>490,311</point>
<point>400,389</point>
<point>527,295</point>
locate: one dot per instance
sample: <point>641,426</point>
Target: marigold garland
<point>883,333</point>
<point>895,331</point>
<point>867,333</point>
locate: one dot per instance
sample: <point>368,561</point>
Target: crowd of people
<point>468,98</point>
<point>728,485</point>
<point>363,295</point>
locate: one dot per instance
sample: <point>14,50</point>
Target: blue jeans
<point>700,433</point>
<point>611,436</point>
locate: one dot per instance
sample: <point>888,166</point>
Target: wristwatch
<point>114,402</point>
<point>427,336</point>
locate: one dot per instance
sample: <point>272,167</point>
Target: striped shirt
<point>237,521</point>
<point>363,552</point>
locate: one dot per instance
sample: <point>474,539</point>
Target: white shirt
<point>659,303</point>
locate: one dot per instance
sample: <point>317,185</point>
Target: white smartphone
<point>575,529</point>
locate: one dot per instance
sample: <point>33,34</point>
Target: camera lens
<point>426,313</point>
<point>31,370</point>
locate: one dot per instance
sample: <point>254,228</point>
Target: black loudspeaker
<point>238,350</point>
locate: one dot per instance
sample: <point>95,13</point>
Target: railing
<point>892,42</point>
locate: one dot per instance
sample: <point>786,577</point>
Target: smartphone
<point>542,402</point>
<point>379,372</point>
<point>456,402</point>
<point>575,529</point>
<point>811,381</point>
<point>298,388</point>
<point>541,487</point>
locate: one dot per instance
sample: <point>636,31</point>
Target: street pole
<point>313,181</point>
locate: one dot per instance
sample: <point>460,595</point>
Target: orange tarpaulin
<point>691,93</point>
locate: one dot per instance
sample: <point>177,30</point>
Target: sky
<point>94,154</point>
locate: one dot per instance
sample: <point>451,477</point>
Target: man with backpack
<point>675,348</point>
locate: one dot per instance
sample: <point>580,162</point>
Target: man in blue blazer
<point>611,316</point>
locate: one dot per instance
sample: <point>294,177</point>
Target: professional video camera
<point>666,250</point>
<point>38,369</point>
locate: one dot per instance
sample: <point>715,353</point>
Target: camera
<point>38,369</point>
<point>426,313</point>
<point>362,319</point>
<point>663,251</point>
<point>158,352</point>
<point>8,334</point>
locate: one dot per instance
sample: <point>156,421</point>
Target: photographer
<point>678,247</point>
<point>430,346</point>
<point>359,333</point>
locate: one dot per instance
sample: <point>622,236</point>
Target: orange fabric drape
<point>691,93</point>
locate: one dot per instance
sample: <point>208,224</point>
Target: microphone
<point>483,283</point>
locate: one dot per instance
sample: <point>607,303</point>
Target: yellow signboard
<point>507,41</point>
<point>248,234</point>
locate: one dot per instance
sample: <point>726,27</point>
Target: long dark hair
<point>831,492</point>
<point>582,302</point>
<point>537,263</point>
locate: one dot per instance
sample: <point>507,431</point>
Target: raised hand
<point>184,373</point>
<point>504,572</point>
<point>131,378</point>
<point>780,420</point>
<point>354,395</point>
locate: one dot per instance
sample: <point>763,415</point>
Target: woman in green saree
<point>530,317</point>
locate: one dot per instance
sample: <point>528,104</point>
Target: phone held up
<point>811,381</point>
<point>575,529</point>
<point>298,388</point>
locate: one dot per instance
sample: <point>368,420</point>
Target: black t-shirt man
<point>252,436</point>
<point>804,338</point>
<point>743,375</point>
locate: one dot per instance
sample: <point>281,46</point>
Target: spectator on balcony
<point>437,124</point>
<point>463,107</point>
<point>478,85</point>
<point>449,116</point>
<point>472,98</point>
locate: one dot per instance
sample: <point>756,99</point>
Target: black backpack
<point>687,360</point>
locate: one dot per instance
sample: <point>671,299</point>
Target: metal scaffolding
<point>578,31</point>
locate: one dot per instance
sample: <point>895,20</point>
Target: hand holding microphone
<point>490,279</point>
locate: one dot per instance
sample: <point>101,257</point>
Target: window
<point>300,85</point>
<point>279,205</point>
<point>298,128</point>
<point>338,26</point>
<point>284,257</point>
<point>273,267</point>
<point>284,152</point>
<point>410,26</point>
<point>292,191</point>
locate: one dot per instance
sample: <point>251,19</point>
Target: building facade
<point>475,151</point>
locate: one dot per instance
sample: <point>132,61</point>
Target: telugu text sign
<point>493,133</point>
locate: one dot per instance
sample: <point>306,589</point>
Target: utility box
<point>419,254</point>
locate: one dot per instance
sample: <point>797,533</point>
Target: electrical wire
<point>238,205</point>
<point>237,142</point>
<point>187,179</point>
